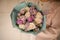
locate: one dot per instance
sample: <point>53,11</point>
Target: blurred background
<point>7,32</point>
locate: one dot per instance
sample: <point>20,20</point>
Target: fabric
<point>53,24</point>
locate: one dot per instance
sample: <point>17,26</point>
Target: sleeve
<point>52,32</point>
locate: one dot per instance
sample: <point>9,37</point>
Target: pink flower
<point>19,21</point>
<point>33,11</point>
<point>30,19</point>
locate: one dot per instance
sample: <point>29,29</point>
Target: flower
<point>19,21</point>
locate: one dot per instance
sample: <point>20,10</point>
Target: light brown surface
<point>7,32</point>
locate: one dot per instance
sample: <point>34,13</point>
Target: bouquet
<point>28,17</point>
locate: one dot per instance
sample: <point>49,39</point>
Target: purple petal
<point>19,21</point>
